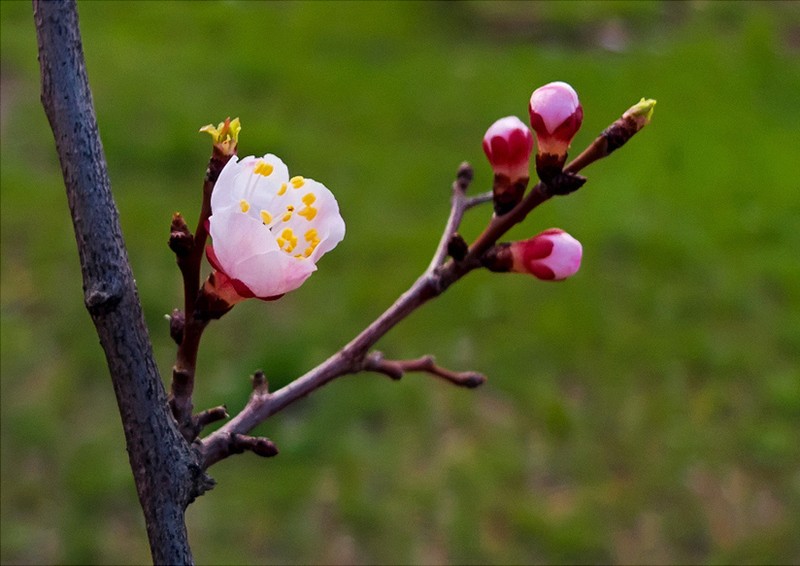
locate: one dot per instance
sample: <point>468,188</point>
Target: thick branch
<point>164,466</point>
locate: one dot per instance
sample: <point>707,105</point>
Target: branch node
<point>564,183</point>
<point>257,444</point>
<point>457,247</point>
<point>260,383</point>
<point>181,240</point>
<point>177,322</point>
<point>100,301</point>
<point>464,177</point>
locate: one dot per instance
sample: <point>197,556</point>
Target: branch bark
<point>165,467</point>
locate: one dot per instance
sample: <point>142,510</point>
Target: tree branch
<point>436,279</point>
<point>350,359</point>
<point>164,465</point>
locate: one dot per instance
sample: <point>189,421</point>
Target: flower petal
<point>237,236</point>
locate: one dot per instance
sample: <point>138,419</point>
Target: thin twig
<point>209,416</point>
<point>478,200</point>
<point>189,259</point>
<point>458,207</point>
<point>396,369</point>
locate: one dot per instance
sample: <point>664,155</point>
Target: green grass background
<point>647,410</point>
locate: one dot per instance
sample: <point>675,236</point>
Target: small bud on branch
<point>616,135</point>
<point>181,240</point>
<point>260,384</point>
<point>177,320</point>
<point>457,247</point>
<point>256,444</point>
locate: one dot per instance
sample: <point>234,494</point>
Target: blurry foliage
<point>646,410</point>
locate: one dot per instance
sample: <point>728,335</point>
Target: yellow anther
<point>312,237</point>
<point>297,182</point>
<point>266,217</point>
<point>309,199</point>
<point>244,205</point>
<point>287,240</point>
<point>263,168</point>
<point>308,212</point>
<point>282,190</point>
<point>288,215</point>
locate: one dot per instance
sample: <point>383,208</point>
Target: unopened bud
<point>552,255</point>
<point>640,113</point>
<point>225,136</point>
<point>556,116</point>
<point>508,144</point>
<point>634,119</point>
<point>180,237</point>
<point>177,321</point>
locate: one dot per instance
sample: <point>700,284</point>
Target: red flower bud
<point>552,255</point>
<point>508,144</point>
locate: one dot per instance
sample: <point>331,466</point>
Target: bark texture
<point>165,467</point>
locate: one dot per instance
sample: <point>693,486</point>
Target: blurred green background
<point>647,410</point>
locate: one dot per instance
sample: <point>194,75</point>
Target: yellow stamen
<point>287,239</point>
<point>288,215</point>
<point>244,205</point>
<point>266,217</point>
<point>308,212</point>
<point>297,182</point>
<point>263,168</point>
<point>312,237</point>
<point>282,190</point>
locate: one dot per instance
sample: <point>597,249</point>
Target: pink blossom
<point>268,230</point>
<point>552,255</point>
<point>508,144</point>
<point>556,116</point>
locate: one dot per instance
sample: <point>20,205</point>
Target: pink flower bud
<point>508,144</point>
<point>268,230</point>
<point>552,255</point>
<point>556,116</point>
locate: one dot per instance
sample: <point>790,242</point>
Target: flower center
<point>285,236</point>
